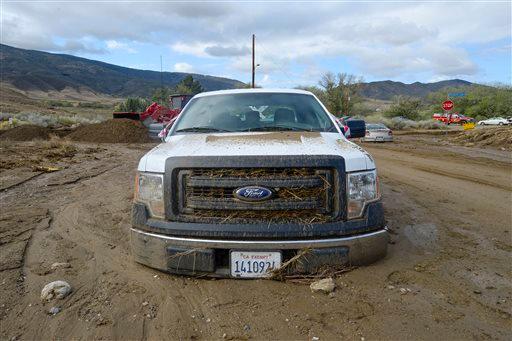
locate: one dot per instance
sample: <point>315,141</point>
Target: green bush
<point>133,104</point>
<point>406,107</point>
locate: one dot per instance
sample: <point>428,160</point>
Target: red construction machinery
<point>157,113</point>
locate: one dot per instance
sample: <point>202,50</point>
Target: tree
<point>340,91</point>
<point>161,96</point>
<point>479,101</point>
<point>404,106</point>
<point>189,86</point>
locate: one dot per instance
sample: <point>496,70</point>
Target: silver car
<point>494,121</point>
<point>378,132</point>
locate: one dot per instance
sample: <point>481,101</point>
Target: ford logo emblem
<point>253,193</point>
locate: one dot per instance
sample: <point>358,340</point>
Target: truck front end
<point>243,204</point>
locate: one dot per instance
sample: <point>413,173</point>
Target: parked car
<point>236,192</point>
<point>350,126</point>
<point>494,121</point>
<point>454,118</point>
<point>378,132</point>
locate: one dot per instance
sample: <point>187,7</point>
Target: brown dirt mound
<point>27,132</point>
<point>496,137</point>
<point>112,131</point>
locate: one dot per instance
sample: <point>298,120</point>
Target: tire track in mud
<point>468,178</point>
<point>19,180</point>
<point>426,165</point>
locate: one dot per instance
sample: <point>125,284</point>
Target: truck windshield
<point>254,112</point>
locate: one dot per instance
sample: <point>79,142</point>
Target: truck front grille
<point>300,195</point>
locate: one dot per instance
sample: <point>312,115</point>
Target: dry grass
<point>289,266</point>
<point>298,193</point>
<point>304,217</point>
<point>57,148</point>
<point>254,172</point>
<point>497,137</point>
<point>36,153</point>
<point>301,193</point>
<point>327,271</point>
<point>288,270</point>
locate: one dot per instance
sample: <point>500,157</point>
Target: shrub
<point>133,104</point>
<point>406,107</point>
<point>46,120</point>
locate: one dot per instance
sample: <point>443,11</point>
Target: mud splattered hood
<point>257,143</point>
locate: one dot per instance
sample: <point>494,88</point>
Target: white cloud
<point>116,45</point>
<point>192,48</point>
<point>380,39</point>
<point>227,51</point>
<point>183,67</point>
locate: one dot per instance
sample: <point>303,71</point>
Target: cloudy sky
<point>295,41</point>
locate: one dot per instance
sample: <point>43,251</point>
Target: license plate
<point>380,138</point>
<point>253,264</point>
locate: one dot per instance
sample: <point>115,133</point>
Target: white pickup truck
<point>246,179</point>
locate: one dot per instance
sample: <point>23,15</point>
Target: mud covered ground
<point>447,274</point>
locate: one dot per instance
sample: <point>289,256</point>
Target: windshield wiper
<point>274,128</point>
<point>201,129</point>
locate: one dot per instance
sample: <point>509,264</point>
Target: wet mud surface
<point>447,274</point>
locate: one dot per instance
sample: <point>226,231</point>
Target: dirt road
<point>447,275</point>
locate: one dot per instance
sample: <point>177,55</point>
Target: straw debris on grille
<point>288,270</point>
<point>300,193</point>
<point>253,172</point>
<point>297,216</point>
<point>252,175</point>
<point>288,266</point>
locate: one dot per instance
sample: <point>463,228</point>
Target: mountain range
<point>30,70</point>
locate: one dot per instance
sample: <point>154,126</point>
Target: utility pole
<point>253,65</point>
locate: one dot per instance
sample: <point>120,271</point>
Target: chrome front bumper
<point>153,249</point>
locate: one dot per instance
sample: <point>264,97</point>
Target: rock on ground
<point>57,289</point>
<point>54,310</point>
<point>325,285</point>
<point>55,266</point>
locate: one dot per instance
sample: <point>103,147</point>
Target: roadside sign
<point>456,94</point>
<point>447,105</point>
<point>468,126</point>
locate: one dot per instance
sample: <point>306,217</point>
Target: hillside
<point>30,70</point>
<point>53,74</point>
<point>386,90</point>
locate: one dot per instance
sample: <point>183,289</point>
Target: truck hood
<point>257,143</point>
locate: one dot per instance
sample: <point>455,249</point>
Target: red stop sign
<point>447,105</point>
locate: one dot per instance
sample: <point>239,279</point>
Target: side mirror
<point>162,134</point>
<point>357,128</point>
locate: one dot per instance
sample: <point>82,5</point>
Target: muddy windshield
<point>254,112</point>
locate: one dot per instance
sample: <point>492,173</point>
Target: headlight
<point>150,191</point>
<point>362,187</point>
